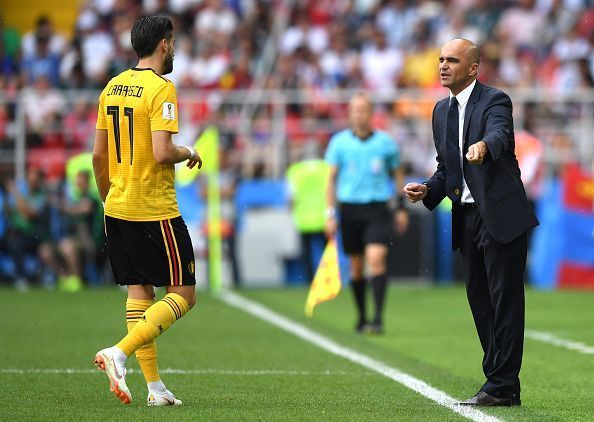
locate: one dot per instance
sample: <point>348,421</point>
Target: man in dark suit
<point>477,169</point>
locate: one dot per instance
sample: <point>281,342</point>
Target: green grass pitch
<point>236,367</point>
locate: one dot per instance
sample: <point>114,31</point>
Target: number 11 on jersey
<point>114,112</point>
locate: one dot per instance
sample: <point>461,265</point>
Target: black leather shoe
<point>483,399</point>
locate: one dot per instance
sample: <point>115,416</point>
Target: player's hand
<point>476,152</point>
<point>330,228</point>
<point>194,159</point>
<point>401,220</point>
<point>415,191</point>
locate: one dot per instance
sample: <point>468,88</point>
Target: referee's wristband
<point>191,150</point>
<point>330,212</point>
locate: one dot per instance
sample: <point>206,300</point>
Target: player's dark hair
<point>148,32</point>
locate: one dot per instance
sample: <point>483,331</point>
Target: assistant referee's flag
<point>326,283</point>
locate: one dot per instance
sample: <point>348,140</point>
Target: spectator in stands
<point>256,26</point>
<point>72,73</point>
<point>123,56</point>
<point>418,70</point>
<point>43,105</point>
<point>303,34</point>
<point>43,30</point>
<point>28,230</point>
<point>588,65</point>
<point>397,20</point>
<point>5,141</point>
<point>522,25</point>
<point>9,50</point>
<point>77,126</point>
<point>560,19</point>
<point>585,22</point>
<point>484,15</point>
<point>182,73</point>
<point>381,65</point>
<point>285,76</point>
<point>208,68</point>
<point>98,47</point>
<point>456,26</point>
<point>42,63</point>
<point>307,69</point>
<point>365,8</point>
<point>351,23</point>
<point>215,22</point>
<point>516,66</point>
<point>238,75</point>
<point>78,249</point>
<point>570,50</point>
<point>338,63</point>
<point>259,147</point>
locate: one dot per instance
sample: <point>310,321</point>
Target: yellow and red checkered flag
<point>326,283</point>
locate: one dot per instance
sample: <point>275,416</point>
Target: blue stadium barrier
<point>545,251</point>
<point>259,194</point>
<point>190,203</point>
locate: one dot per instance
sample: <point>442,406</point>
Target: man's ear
<point>473,69</point>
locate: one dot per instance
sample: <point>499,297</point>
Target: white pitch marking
<point>184,372</point>
<point>550,338</point>
<point>330,346</point>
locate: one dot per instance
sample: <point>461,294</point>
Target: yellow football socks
<point>154,322</point>
<point>147,354</point>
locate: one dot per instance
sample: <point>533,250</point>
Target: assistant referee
<point>363,161</point>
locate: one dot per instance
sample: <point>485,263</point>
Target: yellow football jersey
<point>132,105</point>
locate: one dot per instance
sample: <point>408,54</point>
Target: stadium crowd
<point>381,46</point>
<point>327,44</point>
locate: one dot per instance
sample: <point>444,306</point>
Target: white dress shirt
<point>463,98</point>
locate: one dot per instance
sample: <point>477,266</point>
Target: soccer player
<point>362,162</point>
<point>147,240</point>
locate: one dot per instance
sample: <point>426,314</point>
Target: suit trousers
<point>494,277</point>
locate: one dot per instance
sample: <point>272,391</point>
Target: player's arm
<point>330,228</point>
<point>101,162</point>
<point>166,152</point>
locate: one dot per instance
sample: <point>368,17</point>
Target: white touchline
<point>184,372</point>
<point>325,343</point>
<point>558,341</point>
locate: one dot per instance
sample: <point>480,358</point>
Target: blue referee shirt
<point>365,167</point>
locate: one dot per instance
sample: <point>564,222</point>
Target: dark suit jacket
<point>495,184</point>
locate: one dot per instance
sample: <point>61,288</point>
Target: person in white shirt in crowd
<point>381,65</point>
<point>315,38</point>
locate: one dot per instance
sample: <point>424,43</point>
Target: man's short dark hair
<point>148,32</point>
